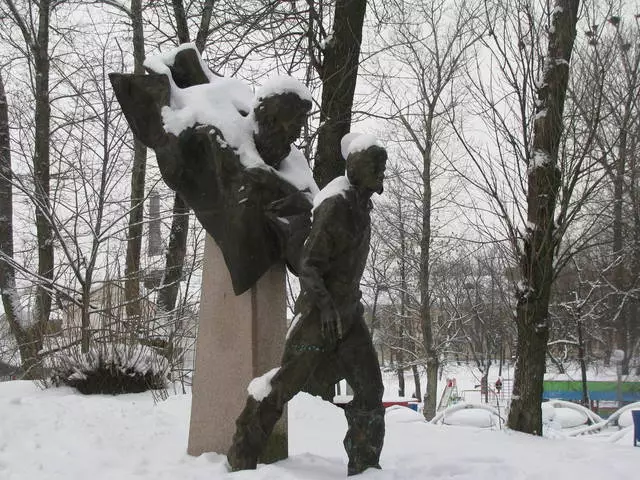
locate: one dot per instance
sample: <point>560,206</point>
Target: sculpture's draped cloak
<point>255,216</point>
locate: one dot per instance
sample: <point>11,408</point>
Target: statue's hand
<point>331,324</point>
<point>260,175</point>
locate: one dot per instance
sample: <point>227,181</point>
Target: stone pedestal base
<point>239,338</point>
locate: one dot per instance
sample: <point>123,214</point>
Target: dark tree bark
<point>42,164</point>
<point>339,73</point>
<point>205,25</point>
<point>7,271</point>
<point>174,257</point>
<point>37,43</point>
<point>138,179</point>
<point>622,302</point>
<point>625,246</point>
<point>27,334</point>
<point>403,300</point>
<point>182,29</point>
<point>619,301</point>
<point>540,242</point>
<point>428,336</point>
<point>416,381</point>
<point>583,363</point>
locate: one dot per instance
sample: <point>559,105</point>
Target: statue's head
<point>365,168</point>
<point>280,111</point>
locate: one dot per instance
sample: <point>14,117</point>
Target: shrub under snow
<point>110,369</point>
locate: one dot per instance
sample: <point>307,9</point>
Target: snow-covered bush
<point>110,368</point>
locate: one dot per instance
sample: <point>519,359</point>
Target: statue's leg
<point>365,414</point>
<point>255,423</point>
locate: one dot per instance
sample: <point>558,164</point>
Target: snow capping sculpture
<point>228,153</point>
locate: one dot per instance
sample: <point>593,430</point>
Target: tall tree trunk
<point>536,262</point>
<point>624,303</point>
<point>42,166</point>
<point>403,300</point>
<point>182,29</point>
<point>174,257</point>
<point>7,271</point>
<point>30,333</point>
<point>416,382</point>
<point>138,179</point>
<point>619,300</point>
<point>634,304</point>
<point>205,25</point>
<point>583,363</point>
<point>428,338</point>
<point>339,74</point>
<point>10,299</point>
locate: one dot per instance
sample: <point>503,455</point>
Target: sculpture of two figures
<point>229,154</point>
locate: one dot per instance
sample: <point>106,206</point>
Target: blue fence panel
<point>635,414</point>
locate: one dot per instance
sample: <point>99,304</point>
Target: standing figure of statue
<point>328,339</point>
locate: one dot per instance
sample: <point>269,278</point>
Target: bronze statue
<point>237,187</point>
<point>329,340</point>
<point>253,193</point>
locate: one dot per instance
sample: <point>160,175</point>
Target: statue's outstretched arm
<point>142,98</point>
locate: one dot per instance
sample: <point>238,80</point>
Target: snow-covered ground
<point>60,434</point>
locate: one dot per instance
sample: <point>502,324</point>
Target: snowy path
<point>58,434</point>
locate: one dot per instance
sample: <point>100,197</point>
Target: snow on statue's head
<point>366,161</point>
<point>280,111</point>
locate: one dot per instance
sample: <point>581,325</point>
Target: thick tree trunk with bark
<point>620,302</point>
<point>403,300</point>
<point>42,166</point>
<point>138,178</point>
<point>7,271</point>
<point>583,363</point>
<point>417,390</point>
<point>27,333</point>
<point>430,404</point>
<point>174,257</point>
<point>339,73</point>
<point>537,254</point>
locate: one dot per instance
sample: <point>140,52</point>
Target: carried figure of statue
<point>228,153</point>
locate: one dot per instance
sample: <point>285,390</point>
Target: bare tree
<point>133,13</point>
<point>86,218</point>
<point>613,48</point>
<point>33,22</point>
<point>537,144</point>
<point>138,175</point>
<point>429,53</point>
<point>10,298</point>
